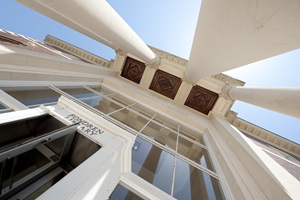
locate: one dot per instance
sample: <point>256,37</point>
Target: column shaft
<point>98,20</point>
<point>283,100</point>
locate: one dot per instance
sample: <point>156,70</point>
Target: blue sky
<point>169,25</point>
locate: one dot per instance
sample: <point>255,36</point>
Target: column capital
<point>226,92</point>
<point>121,52</point>
<point>155,63</point>
<point>184,78</point>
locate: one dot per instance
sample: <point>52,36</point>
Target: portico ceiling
<point>230,34</point>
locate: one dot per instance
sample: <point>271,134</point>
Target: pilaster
<point>249,172</point>
<point>147,77</point>
<point>183,92</point>
<point>119,60</point>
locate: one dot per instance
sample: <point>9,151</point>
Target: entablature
<point>85,55</point>
<point>264,135</point>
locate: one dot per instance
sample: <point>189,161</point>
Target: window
<point>167,154</point>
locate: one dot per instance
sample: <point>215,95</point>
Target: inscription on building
<point>84,125</point>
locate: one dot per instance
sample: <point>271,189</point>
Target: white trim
<point>110,130</point>
<point>25,52</point>
<point>225,188</point>
<point>95,178</point>
<point>19,115</point>
<point>21,85</point>
<point>11,102</point>
<point>143,188</point>
<point>259,176</point>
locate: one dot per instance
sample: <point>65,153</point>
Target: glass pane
<point>102,90</point>
<point>26,163</point>
<point>194,135</point>
<point>78,92</point>
<point>121,99</point>
<point>92,101</point>
<point>122,193</point>
<point>166,122</point>
<point>161,134</point>
<point>45,187</point>
<point>88,97</point>
<point>143,111</point>
<point>191,183</point>
<point>106,106</point>
<point>4,109</point>
<point>35,96</point>
<point>152,164</point>
<point>130,119</point>
<point>194,153</point>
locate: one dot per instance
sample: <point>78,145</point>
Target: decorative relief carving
<point>169,57</point>
<point>226,92</point>
<point>201,99</point>
<point>75,51</point>
<point>162,102</point>
<point>165,84</point>
<point>133,70</point>
<point>265,135</point>
<point>155,64</point>
<point>228,80</point>
<point>121,52</point>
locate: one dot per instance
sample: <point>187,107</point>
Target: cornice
<point>228,80</point>
<point>76,51</point>
<point>169,57</point>
<point>264,135</point>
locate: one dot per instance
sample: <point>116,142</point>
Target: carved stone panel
<point>165,84</point>
<point>133,70</point>
<point>201,99</point>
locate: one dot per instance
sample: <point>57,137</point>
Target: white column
<point>283,100</point>
<point>98,20</point>
<point>231,34</point>
<point>249,172</point>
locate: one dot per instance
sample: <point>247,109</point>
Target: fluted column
<point>283,100</point>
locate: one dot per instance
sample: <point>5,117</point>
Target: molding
<point>226,92</point>
<point>121,52</point>
<point>143,188</point>
<point>45,71</point>
<point>228,80</point>
<point>50,40</point>
<point>264,135</point>
<point>169,57</point>
<point>158,103</point>
<point>201,99</point>
<point>156,63</point>
<point>31,85</point>
<point>165,84</point>
<point>258,173</point>
<point>133,70</point>
<point>218,168</point>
